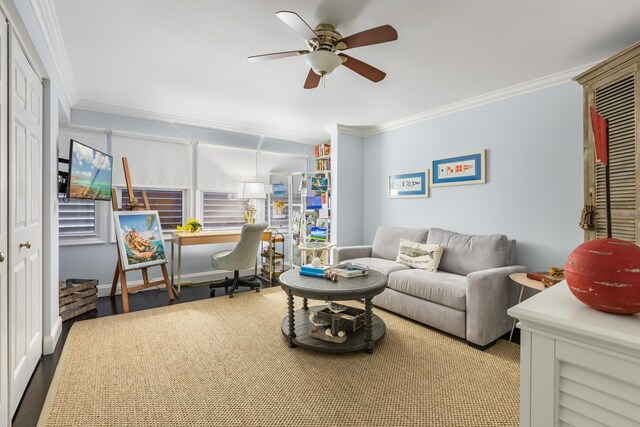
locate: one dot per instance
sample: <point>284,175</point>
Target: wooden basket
<point>349,320</point>
<point>77,296</point>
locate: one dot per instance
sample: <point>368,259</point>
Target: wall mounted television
<point>90,173</point>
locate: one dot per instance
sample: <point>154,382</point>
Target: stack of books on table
<point>350,269</point>
<point>309,270</point>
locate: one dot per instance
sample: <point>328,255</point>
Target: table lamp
<point>252,191</point>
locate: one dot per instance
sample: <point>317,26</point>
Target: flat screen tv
<point>89,173</point>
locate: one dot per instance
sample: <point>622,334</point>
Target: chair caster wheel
<point>231,296</point>
<point>257,289</point>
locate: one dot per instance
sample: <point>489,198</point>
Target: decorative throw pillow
<point>420,255</point>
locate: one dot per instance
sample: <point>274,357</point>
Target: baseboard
<point>104,289</point>
<point>49,342</point>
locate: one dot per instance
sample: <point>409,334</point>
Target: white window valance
<point>93,138</point>
<point>276,167</point>
<point>152,162</point>
<point>223,168</point>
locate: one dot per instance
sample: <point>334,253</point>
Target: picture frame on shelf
<point>408,185</point>
<point>460,170</point>
<point>139,237</point>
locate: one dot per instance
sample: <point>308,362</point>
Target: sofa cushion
<point>443,288</point>
<point>386,243</point>
<point>380,265</point>
<point>464,254</point>
<point>419,255</point>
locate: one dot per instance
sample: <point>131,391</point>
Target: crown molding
<point>117,110</point>
<point>351,130</point>
<point>498,95</point>
<point>48,20</point>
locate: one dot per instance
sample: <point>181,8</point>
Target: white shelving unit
<point>301,219</point>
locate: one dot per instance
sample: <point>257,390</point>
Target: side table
<point>524,282</point>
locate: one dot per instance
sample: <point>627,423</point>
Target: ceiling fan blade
<point>313,80</point>
<point>364,69</point>
<point>293,20</point>
<point>382,34</point>
<point>276,55</point>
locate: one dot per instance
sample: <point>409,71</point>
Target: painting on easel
<point>139,238</point>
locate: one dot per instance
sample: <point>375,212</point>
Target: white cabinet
<point>579,366</point>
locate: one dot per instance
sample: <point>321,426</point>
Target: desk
<point>202,238</point>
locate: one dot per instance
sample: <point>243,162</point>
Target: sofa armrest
<point>350,252</point>
<point>490,293</point>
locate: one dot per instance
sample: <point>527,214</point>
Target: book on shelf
<point>323,164</point>
<point>323,150</point>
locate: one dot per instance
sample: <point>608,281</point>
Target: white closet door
<point>4,236</point>
<point>25,221</point>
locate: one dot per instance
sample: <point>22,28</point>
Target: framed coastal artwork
<point>460,170</point>
<point>407,185</point>
<point>139,237</point>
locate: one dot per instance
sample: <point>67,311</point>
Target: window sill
<point>80,241</point>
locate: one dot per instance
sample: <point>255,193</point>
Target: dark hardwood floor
<point>32,401</point>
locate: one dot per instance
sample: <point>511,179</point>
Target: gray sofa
<point>469,294</point>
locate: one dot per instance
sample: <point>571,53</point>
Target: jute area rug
<point>224,362</point>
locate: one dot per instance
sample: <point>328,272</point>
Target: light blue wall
<point>347,171</point>
<point>534,165</point>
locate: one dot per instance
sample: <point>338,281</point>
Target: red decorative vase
<point>605,274</point>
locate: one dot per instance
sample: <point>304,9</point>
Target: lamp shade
<point>253,190</point>
<point>323,62</point>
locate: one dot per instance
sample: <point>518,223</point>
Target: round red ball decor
<point>605,274</point>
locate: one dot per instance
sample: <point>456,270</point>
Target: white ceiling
<point>188,57</point>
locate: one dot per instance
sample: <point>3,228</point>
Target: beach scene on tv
<point>90,173</point>
<point>142,238</point>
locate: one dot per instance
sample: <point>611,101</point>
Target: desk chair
<point>243,256</point>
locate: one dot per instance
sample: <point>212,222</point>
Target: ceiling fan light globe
<point>323,62</point>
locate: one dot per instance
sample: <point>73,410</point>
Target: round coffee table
<point>296,325</point>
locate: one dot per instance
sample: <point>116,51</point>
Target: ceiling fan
<point>325,46</point>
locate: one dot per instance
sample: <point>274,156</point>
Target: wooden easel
<point>120,273</point>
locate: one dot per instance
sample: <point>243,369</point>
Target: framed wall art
<point>460,170</point>
<point>407,185</point>
<point>139,238</point>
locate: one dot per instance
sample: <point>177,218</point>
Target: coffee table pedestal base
<point>355,340</point>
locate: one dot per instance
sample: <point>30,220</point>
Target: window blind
<point>222,169</point>
<point>616,103</point>
<point>222,211</point>
<point>76,218</point>
<point>152,162</point>
<point>168,203</point>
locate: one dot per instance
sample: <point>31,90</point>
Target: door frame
<point>4,225</point>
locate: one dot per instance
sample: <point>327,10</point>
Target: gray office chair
<point>243,256</point>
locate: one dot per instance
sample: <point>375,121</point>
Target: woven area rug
<point>224,362</point>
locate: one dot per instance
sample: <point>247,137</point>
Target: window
<point>222,210</point>
<point>168,203</point>
<point>77,217</point>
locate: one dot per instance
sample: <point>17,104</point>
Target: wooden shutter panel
<point>616,102</point>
